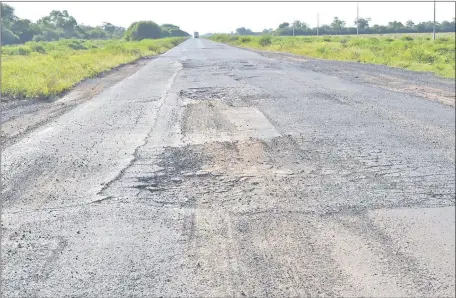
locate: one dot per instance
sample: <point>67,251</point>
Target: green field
<point>411,51</point>
<point>44,69</point>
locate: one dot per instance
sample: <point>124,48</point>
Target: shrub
<point>423,56</point>
<point>374,40</point>
<point>321,50</point>
<point>38,48</point>
<point>234,38</point>
<point>245,39</point>
<point>76,45</point>
<point>442,39</point>
<point>175,41</point>
<point>407,38</point>
<point>136,52</point>
<point>153,48</point>
<point>39,38</point>
<point>22,51</point>
<point>265,41</point>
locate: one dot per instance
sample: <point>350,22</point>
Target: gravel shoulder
<point>414,83</point>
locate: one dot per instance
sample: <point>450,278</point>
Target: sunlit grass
<point>411,51</point>
<point>40,70</point>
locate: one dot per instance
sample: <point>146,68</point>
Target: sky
<point>216,17</point>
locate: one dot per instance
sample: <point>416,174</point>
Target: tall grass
<point>43,69</point>
<point>414,52</point>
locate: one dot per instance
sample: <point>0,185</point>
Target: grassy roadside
<point>413,52</point>
<point>44,69</point>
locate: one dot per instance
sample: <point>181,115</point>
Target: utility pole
<point>293,26</point>
<point>357,18</point>
<point>433,33</point>
<point>318,22</point>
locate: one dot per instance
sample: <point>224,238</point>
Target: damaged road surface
<point>214,172</point>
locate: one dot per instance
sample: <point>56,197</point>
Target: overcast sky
<point>227,16</point>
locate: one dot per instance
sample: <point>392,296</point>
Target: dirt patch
<point>202,116</point>
<point>215,120</point>
<point>397,84</point>
<point>22,116</point>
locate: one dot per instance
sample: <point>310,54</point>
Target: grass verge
<point>414,52</point>
<point>45,69</point>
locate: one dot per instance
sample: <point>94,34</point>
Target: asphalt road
<point>215,171</point>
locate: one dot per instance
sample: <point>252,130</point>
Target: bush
<point>142,30</point>
<point>321,50</point>
<point>344,42</point>
<point>136,52</point>
<point>38,48</point>
<point>22,51</point>
<point>176,41</point>
<point>153,48</point>
<point>38,38</point>
<point>76,45</point>
<point>423,56</point>
<point>234,38</point>
<point>265,41</point>
<point>245,39</point>
<point>442,39</point>
<point>407,38</point>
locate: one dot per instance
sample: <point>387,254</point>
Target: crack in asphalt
<point>145,140</point>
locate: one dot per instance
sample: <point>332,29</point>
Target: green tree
<point>298,24</point>
<point>338,24</point>
<point>396,26</point>
<point>363,23</point>
<point>113,31</point>
<point>284,25</point>
<point>8,15</point>
<point>170,26</point>
<point>143,30</point>
<point>9,37</point>
<point>24,29</point>
<point>243,31</point>
<point>172,30</point>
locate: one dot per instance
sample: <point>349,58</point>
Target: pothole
<point>177,164</point>
<point>206,93</point>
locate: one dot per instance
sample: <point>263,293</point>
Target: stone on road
<point>215,171</point>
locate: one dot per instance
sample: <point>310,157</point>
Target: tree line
<point>61,25</point>
<point>339,26</point>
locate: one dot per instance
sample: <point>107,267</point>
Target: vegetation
<point>43,69</point>
<point>413,51</point>
<point>143,30</point>
<point>61,25</point>
<point>340,27</point>
<point>50,56</point>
